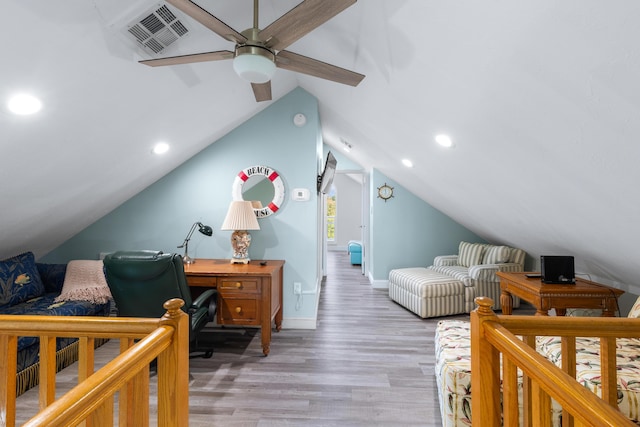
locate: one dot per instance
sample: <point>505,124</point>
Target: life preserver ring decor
<point>273,176</point>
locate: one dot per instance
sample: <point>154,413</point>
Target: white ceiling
<point>540,97</point>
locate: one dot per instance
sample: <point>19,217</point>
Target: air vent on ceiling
<point>157,29</point>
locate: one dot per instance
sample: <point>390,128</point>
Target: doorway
<point>345,215</point>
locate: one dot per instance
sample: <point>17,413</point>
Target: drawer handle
<point>238,285</point>
<point>238,310</point>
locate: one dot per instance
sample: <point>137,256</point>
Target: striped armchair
<point>452,283</point>
<point>476,265</point>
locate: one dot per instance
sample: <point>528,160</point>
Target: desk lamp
<point>204,229</point>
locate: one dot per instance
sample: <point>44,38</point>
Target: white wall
<point>349,210</point>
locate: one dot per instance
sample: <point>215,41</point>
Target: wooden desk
<point>248,294</point>
<point>543,296</point>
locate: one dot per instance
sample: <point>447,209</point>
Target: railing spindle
<point>492,336</point>
<point>91,402</point>
<point>8,368</point>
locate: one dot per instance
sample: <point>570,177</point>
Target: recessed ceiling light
<point>24,104</point>
<point>408,163</point>
<point>444,140</point>
<point>161,148</point>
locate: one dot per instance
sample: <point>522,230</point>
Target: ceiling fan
<point>258,52</point>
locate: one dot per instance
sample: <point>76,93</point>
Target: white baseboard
<point>299,323</point>
<point>379,284</point>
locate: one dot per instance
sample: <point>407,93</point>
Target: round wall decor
<point>385,192</point>
<point>260,174</point>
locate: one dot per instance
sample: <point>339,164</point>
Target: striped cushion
<point>456,271</point>
<point>470,254</point>
<point>496,255</point>
<point>517,256</point>
<point>425,282</point>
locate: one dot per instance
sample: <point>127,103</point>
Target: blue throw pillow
<point>19,280</point>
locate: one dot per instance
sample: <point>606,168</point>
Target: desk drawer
<point>247,285</point>
<point>201,281</point>
<point>239,311</point>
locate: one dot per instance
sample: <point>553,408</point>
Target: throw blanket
<point>84,281</point>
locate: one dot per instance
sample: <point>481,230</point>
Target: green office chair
<point>141,281</point>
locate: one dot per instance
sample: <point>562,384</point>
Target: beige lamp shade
<point>240,216</point>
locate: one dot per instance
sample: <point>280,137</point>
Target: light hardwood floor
<point>370,362</point>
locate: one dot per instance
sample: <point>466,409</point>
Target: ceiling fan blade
<point>262,91</point>
<point>189,59</point>
<point>208,20</point>
<point>301,20</point>
<point>302,64</point>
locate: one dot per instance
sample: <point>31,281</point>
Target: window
<point>331,214</point>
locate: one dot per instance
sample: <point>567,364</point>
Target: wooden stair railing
<point>91,402</point>
<point>493,336</point>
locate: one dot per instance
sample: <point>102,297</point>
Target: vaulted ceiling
<point>540,98</point>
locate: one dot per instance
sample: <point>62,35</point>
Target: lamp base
<point>188,260</point>
<point>240,242</point>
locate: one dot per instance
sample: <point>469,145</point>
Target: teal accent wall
<point>405,231</point>
<point>160,216</point>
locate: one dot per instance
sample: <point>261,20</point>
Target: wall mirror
<point>262,186</point>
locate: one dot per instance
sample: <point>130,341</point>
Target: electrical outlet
<point>297,288</point>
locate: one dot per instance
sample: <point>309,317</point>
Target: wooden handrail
<point>493,336</point>
<point>166,339</point>
<point>87,396</point>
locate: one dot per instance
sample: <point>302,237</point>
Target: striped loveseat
<point>452,283</point>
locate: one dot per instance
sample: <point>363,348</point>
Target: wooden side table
<point>248,294</point>
<point>543,296</point>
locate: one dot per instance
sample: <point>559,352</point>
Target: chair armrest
<point>510,267</point>
<point>203,298</point>
<point>445,260</point>
<point>210,295</point>
<point>484,272</point>
<point>488,271</point>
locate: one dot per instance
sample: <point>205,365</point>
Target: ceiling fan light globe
<point>254,66</point>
